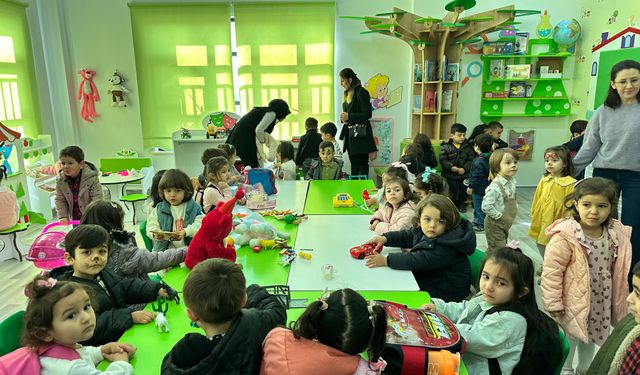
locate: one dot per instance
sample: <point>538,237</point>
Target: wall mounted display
<point>522,142</point>
<point>383,136</point>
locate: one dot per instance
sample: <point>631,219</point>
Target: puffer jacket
<point>391,219</point>
<point>565,275</point>
<point>609,358</point>
<point>90,190</point>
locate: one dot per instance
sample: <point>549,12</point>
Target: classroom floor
<point>14,275</point>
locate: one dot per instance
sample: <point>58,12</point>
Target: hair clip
<point>513,244</point>
<point>48,284</point>
<point>323,299</point>
<point>398,164</point>
<point>427,172</point>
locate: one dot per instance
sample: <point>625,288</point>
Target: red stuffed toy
<point>209,240</point>
<point>88,93</point>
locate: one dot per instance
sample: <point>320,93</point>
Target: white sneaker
<point>567,371</point>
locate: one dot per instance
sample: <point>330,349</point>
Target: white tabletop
<point>291,196</point>
<point>114,178</point>
<point>331,237</point>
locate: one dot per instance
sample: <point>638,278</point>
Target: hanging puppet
<point>117,90</point>
<point>88,93</point>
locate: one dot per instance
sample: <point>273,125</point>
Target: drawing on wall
<point>383,137</point>
<point>378,87</point>
<point>522,142</point>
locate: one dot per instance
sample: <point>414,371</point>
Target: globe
<point>566,32</point>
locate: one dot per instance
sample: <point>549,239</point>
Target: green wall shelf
<point>515,99</point>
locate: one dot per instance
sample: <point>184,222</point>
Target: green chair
<point>476,260</point>
<point>143,232</point>
<point>565,352</point>
<point>133,198</point>
<point>10,330</point>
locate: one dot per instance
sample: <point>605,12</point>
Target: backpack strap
<point>415,360</point>
<point>59,352</point>
<point>494,366</point>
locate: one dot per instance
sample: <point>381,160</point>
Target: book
<point>521,45</point>
<point>497,48</point>
<point>452,72</point>
<point>447,100</point>
<point>430,101</point>
<point>431,70</point>
<point>417,104</point>
<point>518,89</point>
<point>496,69</point>
<point>417,73</point>
<point>443,68</point>
<point>395,97</point>
<point>519,71</point>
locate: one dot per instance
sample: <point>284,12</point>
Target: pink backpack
<point>27,362</point>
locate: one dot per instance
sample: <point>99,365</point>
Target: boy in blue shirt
<point>479,178</point>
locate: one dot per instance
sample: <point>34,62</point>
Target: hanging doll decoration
<point>88,93</point>
<point>117,90</point>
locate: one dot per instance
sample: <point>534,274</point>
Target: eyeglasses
<point>635,82</point>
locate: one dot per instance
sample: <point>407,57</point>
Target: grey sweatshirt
<point>612,139</point>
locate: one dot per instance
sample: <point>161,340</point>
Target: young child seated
<point>77,185</point>
<point>578,127</point>
<point>495,129</point>
<point>456,156</point>
<point>479,178</point>
<point>412,158</point>
<point>87,250</point>
<point>125,257</point>
<point>232,156</point>
<point>331,332</point>
<point>440,244</point>
<point>505,331</point>
<point>177,213</point>
<point>235,321</point>
<point>395,170</point>
<point>308,146</point>
<point>201,183</point>
<point>428,154</point>
<point>285,166</point>
<point>326,168</point>
<point>399,210</point>
<point>60,315</point>
<point>217,190</point>
<point>328,132</point>
<point>429,182</point>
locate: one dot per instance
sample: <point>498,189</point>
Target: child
<point>328,132</point>
<point>577,128</point>
<point>412,158</point>
<point>505,331</point>
<point>428,155</point>
<point>308,147</point>
<point>399,210</point>
<point>440,244</point>
<point>326,168</point>
<point>235,321</point>
<point>455,158</point>
<point>479,178</point>
<point>77,185</point>
<point>285,167</point>
<point>218,173</point>
<point>177,212</point>
<point>395,170</point>
<point>584,274</point>
<point>232,155</point>
<point>548,201</point>
<point>495,129</point>
<point>429,183</point>
<point>87,250</point>
<point>59,315</point>
<point>8,203</point>
<point>125,257</point>
<point>499,202</point>
<point>331,332</point>
<point>209,153</point>
<point>477,130</point>
<point>154,193</point>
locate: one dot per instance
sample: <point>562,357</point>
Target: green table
<point>321,193</point>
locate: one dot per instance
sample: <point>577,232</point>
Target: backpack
<point>411,334</point>
<point>26,361</point>
<point>262,176</point>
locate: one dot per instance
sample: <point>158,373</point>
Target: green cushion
<point>134,197</point>
<point>476,260</point>
<point>10,329</point>
<point>16,228</point>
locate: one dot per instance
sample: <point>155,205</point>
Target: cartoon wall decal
<point>378,88</point>
<point>613,17</point>
<point>594,69</point>
<point>627,41</point>
<point>543,30</point>
<point>88,93</point>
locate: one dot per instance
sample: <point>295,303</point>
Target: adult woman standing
<point>611,142</point>
<point>253,127</point>
<point>356,132</point>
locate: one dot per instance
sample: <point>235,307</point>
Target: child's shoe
<point>477,228</point>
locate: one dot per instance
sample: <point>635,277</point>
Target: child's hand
<point>370,202</point>
<point>455,169</point>
<point>124,356</point>
<point>428,307</point>
<point>374,224</point>
<point>460,170</point>
<point>158,237</point>
<point>129,348</point>
<point>142,317</point>
<point>179,235</point>
<point>469,191</point>
<point>555,314</point>
<point>376,260</point>
<point>64,221</point>
<point>378,240</point>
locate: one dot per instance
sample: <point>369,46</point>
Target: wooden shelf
<point>549,98</point>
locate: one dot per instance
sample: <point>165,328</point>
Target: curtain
<point>183,63</point>
<point>19,108</point>
<point>285,50</point>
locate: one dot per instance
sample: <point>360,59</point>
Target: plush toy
<point>88,93</point>
<point>209,240</point>
<point>117,90</point>
<point>252,229</point>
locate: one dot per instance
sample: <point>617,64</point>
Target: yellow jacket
<point>547,205</point>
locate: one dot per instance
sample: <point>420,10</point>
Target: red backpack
<point>26,361</point>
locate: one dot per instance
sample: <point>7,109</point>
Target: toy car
<point>342,200</point>
<point>361,251</point>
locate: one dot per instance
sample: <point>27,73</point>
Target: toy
<point>88,93</point>
<point>361,251</point>
<point>161,309</point>
<point>47,250</point>
<point>328,271</point>
<point>253,228</point>
<point>288,256</point>
<point>209,240</point>
<point>259,200</point>
<point>342,200</point>
<point>117,90</point>
<point>186,133</point>
<point>305,255</point>
<point>288,216</point>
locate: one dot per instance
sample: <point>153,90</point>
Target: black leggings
<point>359,164</point>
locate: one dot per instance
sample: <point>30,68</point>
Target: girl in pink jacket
<point>398,211</point>
<point>584,275</point>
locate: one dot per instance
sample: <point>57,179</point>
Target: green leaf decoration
<point>466,4</point>
<point>467,41</point>
<point>511,23</point>
<point>427,19</point>
<point>44,151</point>
<point>36,218</point>
<point>374,31</point>
<point>390,13</point>
<point>20,192</point>
<point>26,155</point>
<point>449,24</point>
<point>418,41</point>
<point>520,12</point>
<point>23,210</point>
<point>384,25</point>
<point>358,18</point>
<point>476,19</point>
<point>35,153</point>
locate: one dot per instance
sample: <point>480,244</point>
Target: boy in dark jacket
<point>87,250</point>
<point>495,129</point>
<point>308,147</point>
<point>479,178</point>
<point>235,320</point>
<point>577,128</point>
<point>327,167</point>
<point>455,158</point>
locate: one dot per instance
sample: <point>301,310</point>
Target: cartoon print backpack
<point>26,361</point>
<point>411,334</point>
<point>262,176</point>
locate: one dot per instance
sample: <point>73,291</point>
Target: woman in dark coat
<point>356,113</point>
<point>253,126</point>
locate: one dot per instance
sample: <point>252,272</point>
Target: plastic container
<point>47,250</point>
<point>443,362</point>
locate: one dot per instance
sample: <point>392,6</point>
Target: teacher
<point>611,142</point>
<point>252,128</point>
<point>356,132</point>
